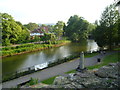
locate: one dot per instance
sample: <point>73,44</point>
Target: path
<point>53,71</point>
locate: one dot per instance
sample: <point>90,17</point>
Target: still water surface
<point>13,63</point>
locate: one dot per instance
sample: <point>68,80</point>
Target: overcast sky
<point>51,11</point>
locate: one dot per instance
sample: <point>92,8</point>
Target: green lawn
<point>91,55</point>
<point>108,59</point>
<point>72,71</point>
<point>118,48</point>
<point>49,81</point>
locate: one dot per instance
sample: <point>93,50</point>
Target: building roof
<point>37,31</point>
<point>40,30</point>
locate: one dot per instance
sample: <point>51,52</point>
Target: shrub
<point>32,82</point>
<point>6,48</point>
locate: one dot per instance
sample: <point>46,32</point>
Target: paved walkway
<point>53,71</point>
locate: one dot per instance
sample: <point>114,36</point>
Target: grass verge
<point>49,80</point>
<point>91,54</point>
<point>116,49</point>
<point>72,71</point>
<point>113,58</point>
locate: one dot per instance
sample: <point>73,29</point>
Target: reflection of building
<point>118,4</point>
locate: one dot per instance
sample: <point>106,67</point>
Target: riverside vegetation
<point>24,48</point>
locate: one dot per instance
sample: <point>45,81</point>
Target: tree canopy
<point>106,33</point>
<point>58,29</point>
<point>77,28</point>
<point>31,26</point>
<point>12,32</point>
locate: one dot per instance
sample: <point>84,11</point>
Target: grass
<point>116,48</point>
<point>91,55</point>
<point>49,80</point>
<point>25,48</point>
<point>108,59</point>
<point>72,71</point>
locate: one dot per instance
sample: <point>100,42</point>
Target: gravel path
<point>53,71</point>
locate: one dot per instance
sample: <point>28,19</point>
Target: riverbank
<point>27,48</point>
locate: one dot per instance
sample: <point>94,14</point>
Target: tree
<point>12,32</point>
<point>58,29</point>
<point>107,32</point>
<point>48,37</point>
<point>77,28</point>
<point>25,34</point>
<point>31,26</point>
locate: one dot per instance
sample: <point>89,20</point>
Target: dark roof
<point>36,31</point>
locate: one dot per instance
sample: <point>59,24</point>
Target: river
<point>13,63</point>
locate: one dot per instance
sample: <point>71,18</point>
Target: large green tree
<point>77,28</point>
<point>106,33</point>
<point>58,29</point>
<point>12,32</point>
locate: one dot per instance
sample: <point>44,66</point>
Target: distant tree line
<point>106,31</point>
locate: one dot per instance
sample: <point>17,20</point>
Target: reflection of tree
<point>26,60</point>
<point>78,47</point>
<point>13,63</point>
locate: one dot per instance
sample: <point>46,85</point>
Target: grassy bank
<point>25,48</point>
<point>108,59</point>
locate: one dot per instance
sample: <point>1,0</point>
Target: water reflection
<point>92,46</point>
<point>49,55</point>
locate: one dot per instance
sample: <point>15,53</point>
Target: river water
<point>13,63</point>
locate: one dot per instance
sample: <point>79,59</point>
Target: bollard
<point>16,74</point>
<point>29,70</point>
<point>98,60</point>
<point>81,67</point>
<point>81,64</point>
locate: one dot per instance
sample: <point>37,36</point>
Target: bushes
<point>32,82</point>
<point>6,48</point>
<point>8,51</point>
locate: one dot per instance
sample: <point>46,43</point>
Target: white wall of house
<point>37,34</point>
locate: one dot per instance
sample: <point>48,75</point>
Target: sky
<point>51,11</point>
